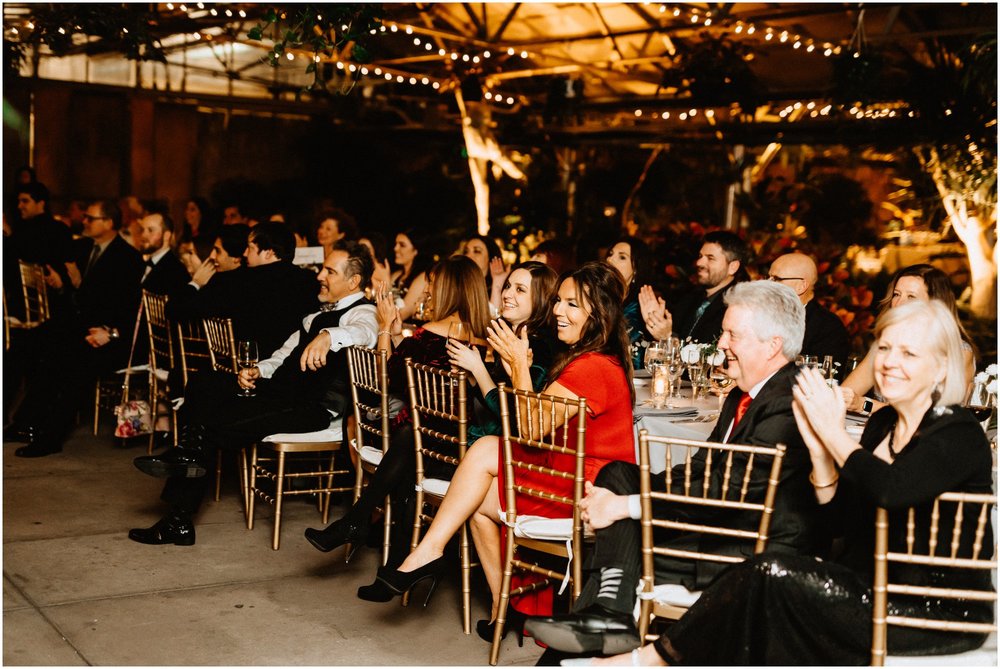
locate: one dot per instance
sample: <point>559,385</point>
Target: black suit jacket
<point>167,277</point>
<point>109,292</point>
<point>795,526</point>
<point>825,334</point>
<point>707,328</point>
<point>265,302</point>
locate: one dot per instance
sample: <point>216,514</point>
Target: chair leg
<point>278,496</point>
<point>97,404</point>
<point>154,409</point>
<point>329,486</point>
<point>174,420</point>
<point>244,482</point>
<point>418,524</point>
<point>508,569</point>
<point>386,530</point>
<point>252,487</point>
<point>466,588</point>
<point>218,475</point>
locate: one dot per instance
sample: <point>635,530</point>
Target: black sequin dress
<point>796,610</point>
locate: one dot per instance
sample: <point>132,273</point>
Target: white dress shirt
<point>358,327</point>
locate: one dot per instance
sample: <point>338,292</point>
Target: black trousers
<point>232,422</point>
<point>67,367</point>
<point>619,546</point>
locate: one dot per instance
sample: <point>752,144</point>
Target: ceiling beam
<point>506,22</point>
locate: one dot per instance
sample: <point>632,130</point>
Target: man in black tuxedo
<point>266,298</point>
<point>94,338</point>
<point>825,332</point>
<point>164,273</point>
<point>697,314</point>
<point>301,387</point>
<point>761,336</point>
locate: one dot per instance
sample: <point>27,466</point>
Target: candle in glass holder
<point>660,386</point>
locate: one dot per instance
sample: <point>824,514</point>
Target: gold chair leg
<point>386,530</point>
<point>278,497</point>
<point>252,487</point>
<point>244,482</point>
<point>466,587</point>
<point>418,524</point>
<point>504,600</point>
<point>154,410</point>
<point>97,404</point>
<point>329,485</point>
<point>218,475</point>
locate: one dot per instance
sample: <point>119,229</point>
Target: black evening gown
<point>798,610</point>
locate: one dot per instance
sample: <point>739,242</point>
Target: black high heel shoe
<point>400,582</point>
<point>514,623</point>
<point>337,534</point>
<point>377,591</point>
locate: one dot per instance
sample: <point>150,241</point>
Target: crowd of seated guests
<point>547,325</point>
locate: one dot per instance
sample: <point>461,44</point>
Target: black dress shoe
<point>173,528</point>
<point>19,434</point>
<point>38,449</point>
<point>179,462</point>
<point>595,630</point>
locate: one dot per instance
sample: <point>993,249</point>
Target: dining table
<point>680,417</point>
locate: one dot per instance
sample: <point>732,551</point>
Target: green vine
<point>326,30</point>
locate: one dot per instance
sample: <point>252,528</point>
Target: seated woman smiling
<point>788,610</point>
<point>589,321</point>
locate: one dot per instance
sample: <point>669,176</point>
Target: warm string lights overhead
<point>813,109</point>
<point>706,18</point>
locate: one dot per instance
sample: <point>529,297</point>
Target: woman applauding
<point>588,316</point>
<point>799,610</point>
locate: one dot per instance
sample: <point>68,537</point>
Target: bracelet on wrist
<point>820,486</point>
<point>384,332</point>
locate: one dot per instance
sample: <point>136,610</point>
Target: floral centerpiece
<point>984,388</point>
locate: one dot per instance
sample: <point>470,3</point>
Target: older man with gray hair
<point>762,332</point>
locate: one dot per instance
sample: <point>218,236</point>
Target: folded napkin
<point>673,412</point>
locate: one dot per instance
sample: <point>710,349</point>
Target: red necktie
<point>741,408</point>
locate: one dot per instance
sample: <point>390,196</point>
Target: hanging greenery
<point>344,30</point>
<point>126,28</point>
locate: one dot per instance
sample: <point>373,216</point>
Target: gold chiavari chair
<point>161,354</point>
<point>370,384</point>
<point>740,468</point>
<point>275,470</point>
<point>35,294</point>
<point>970,515</point>
<point>222,358</point>
<point>562,537</point>
<point>221,344</point>
<point>440,433</point>
<point>192,347</point>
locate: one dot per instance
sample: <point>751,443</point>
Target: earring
<point>935,398</point>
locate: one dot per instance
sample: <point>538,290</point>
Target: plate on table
<point>646,409</point>
<point>641,374</point>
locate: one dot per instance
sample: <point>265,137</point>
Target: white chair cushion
<point>161,374</point>
<point>333,433</point>
<point>436,487</point>
<point>544,529</point>
<point>674,595</point>
<point>986,655</point>
<point>371,455</point>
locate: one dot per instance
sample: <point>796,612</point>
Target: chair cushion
<point>986,655</point>
<point>161,374</point>
<point>436,487</point>
<point>544,529</point>
<point>674,595</point>
<point>333,433</point>
<point>371,455</point>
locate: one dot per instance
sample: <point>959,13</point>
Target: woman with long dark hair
<point>413,258</point>
<point>588,318</point>
<point>631,257</point>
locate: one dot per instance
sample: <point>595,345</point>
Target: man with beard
<point>697,315</point>
<point>164,274</point>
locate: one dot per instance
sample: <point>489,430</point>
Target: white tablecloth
<point>683,427</point>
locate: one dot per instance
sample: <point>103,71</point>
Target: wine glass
<point>459,331</point>
<point>675,368</point>
<point>656,354</point>
<point>979,401</point>
<point>246,358</point>
<point>721,383</point>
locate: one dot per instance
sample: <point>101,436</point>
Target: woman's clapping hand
<point>464,356</point>
<point>386,311</point>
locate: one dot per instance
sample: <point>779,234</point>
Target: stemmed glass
<point>246,358</point>
<point>675,368</point>
<point>656,354</point>
<point>459,331</point>
<point>721,383</point>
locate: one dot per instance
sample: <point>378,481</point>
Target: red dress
<point>609,436</point>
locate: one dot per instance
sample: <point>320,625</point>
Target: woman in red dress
<point>595,365</point>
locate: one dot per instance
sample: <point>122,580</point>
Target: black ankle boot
<point>338,533</point>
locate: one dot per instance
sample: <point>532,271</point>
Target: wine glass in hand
<point>246,358</point>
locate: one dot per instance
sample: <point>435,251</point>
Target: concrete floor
<point>76,591</point>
